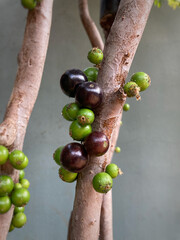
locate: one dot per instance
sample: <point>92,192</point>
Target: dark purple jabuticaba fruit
<point>74,157</point>
<point>70,81</point>
<point>89,95</point>
<point>96,144</point>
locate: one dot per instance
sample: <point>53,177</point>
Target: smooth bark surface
<point>30,69</point>
<point>89,25</point>
<point>119,52</point>
<point>106,220</point>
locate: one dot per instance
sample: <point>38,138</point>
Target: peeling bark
<point>89,25</point>
<point>119,51</point>
<point>30,69</point>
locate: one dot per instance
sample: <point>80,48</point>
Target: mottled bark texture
<point>30,69</point>
<point>89,25</point>
<point>119,51</point>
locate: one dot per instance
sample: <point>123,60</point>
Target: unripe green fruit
<point>66,175</point>
<point>132,89</point>
<point>11,228</point>
<point>29,4</point>
<point>91,73</point>
<point>78,132</point>
<point>102,182</point>
<point>85,116</point>
<point>6,185</point>
<point>24,164</point>
<point>16,158</point>
<point>19,220</point>
<point>70,111</point>
<point>17,186</point>
<point>95,56</point>
<point>126,107</point>
<point>18,209</point>
<point>4,153</point>
<point>142,80</point>
<point>25,183</point>
<point>20,197</point>
<point>112,169</point>
<point>117,149</point>
<point>21,174</point>
<point>5,204</point>
<point>57,155</point>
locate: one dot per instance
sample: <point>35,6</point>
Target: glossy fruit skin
<point>126,107</point>
<point>57,154</point>
<point>21,174</point>
<point>6,185</point>
<point>91,73</point>
<point>131,89</point>
<point>29,4</point>
<point>25,183</point>
<point>95,56</point>
<point>20,197</point>
<point>113,170</point>
<point>11,228</point>
<point>89,95</point>
<point>24,164</point>
<point>74,157</point>
<point>117,149</point>
<point>17,186</point>
<point>70,111</point>
<point>85,116</point>
<point>5,204</point>
<point>18,209</point>
<point>70,81</point>
<point>142,80</point>
<point>16,158</point>
<point>19,220</point>
<point>4,153</point>
<point>102,182</point>
<point>96,144</point>
<point>66,175</point>
<point>79,132</point>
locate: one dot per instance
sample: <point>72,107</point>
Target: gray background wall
<point>146,198</point>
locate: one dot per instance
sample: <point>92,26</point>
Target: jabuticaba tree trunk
<point>108,10</point>
<point>119,51</point>
<point>30,69</point>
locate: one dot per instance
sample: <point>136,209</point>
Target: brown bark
<point>30,69</point>
<point>106,220</point>
<point>89,25</point>
<point>119,52</point>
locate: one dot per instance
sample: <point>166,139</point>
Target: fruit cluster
<point>139,82</point>
<point>30,4</point>
<point>14,193</point>
<point>88,95</point>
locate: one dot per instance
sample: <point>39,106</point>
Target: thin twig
<point>89,25</point>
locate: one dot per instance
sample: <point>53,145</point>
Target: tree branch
<point>30,69</point>
<point>119,52</point>
<point>89,25</point>
<point>106,220</point>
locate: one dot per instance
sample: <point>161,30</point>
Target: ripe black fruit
<point>70,80</point>
<point>74,157</point>
<point>89,95</point>
<point>96,144</point>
